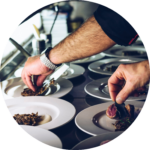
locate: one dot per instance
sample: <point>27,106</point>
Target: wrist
<point>47,61</point>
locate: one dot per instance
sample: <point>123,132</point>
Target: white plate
<point>44,136</point>
<point>72,72</point>
<point>84,119</point>
<point>101,65</point>
<point>116,51</point>
<point>58,109</point>
<point>12,88</point>
<point>89,59</point>
<point>96,140</point>
<point>99,89</point>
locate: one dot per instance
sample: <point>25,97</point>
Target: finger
<point>115,85</point>
<point>23,77</point>
<point>114,90</point>
<point>125,92</point>
<point>40,80</point>
<point>35,79</point>
<point>29,83</point>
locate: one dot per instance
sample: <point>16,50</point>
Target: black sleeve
<point>115,26</point>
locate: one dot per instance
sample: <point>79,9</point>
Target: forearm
<point>88,40</point>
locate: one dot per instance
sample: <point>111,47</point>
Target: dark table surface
<point>69,133</point>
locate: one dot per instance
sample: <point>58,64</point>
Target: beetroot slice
<point>111,111</point>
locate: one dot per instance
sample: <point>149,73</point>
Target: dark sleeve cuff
<point>115,26</point>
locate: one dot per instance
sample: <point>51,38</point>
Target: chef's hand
<point>127,79</point>
<point>34,66</point>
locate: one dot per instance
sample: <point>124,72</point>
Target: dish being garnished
<point>116,119</point>
<point>39,90</point>
<point>32,119</point>
<point>123,123</point>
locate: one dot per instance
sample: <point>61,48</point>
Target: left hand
<point>34,66</point>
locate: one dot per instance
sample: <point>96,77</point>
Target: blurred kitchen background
<point>54,22</point>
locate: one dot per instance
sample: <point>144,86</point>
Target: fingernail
<point>119,100</point>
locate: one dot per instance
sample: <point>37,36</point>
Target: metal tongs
<point>51,86</point>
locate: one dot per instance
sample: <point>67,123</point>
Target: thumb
<point>40,80</point>
<point>125,92</point>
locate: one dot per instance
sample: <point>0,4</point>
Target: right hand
<point>134,76</point>
<point>34,66</point>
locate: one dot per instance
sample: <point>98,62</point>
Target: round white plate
<point>101,65</point>
<point>58,109</point>
<point>116,51</point>
<point>89,59</point>
<point>44,136</point>
<point>96,140</point>
<point>12,88</point>
<point>84,119</point>
<point>72,72</point>
<point>99,89</point>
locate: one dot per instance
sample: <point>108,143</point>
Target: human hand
<point>34,66</point>
<point>127,79</point>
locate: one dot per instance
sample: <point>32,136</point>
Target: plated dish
<point>72,72</point>
<point>89,59</point>
<point>99,89</point>
<point>44,136</point>
<point>13,88</point>
<point>84,120</point>
<point>108,66</point>
<point>56,108</point>
<point>126,52</point>
<point>96,141</point>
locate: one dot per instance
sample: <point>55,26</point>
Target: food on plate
<point>123,124</point>
<point>126,121</point>
<point>104,142</point>
<point>39,90</point>
<point>130,109</point>
<point>111,68</point>
<point>29,92</point>
<point>31,119</point>
<point>111,111</point>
